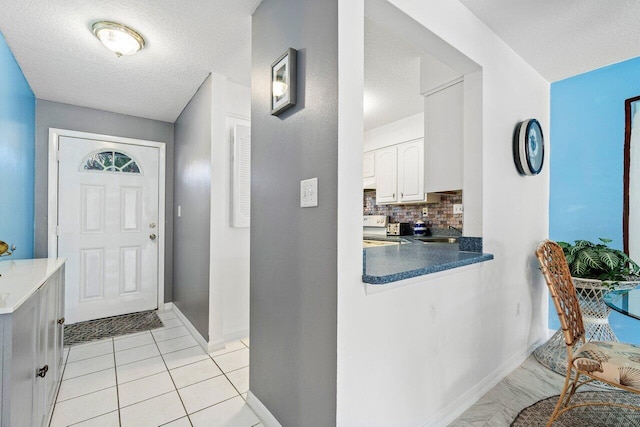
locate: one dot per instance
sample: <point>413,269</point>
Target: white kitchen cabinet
<point>400,174</point>
<point>444,138</point>
<point>386,175</point>
<point>369,164</point>
<point>411,171</point>
<point>31,331</point>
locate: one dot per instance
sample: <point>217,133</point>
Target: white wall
<point>434,74</point>
<point>229,270</point>
<point>402,130</point>
<point>420,354</point>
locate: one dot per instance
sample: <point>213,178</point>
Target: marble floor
<point>521,388</point>
<point>153,378</point>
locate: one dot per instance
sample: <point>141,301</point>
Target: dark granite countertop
<point>414,258</point>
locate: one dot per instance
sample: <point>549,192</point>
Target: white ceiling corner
<point>185,41</point>
<point>564,38</point>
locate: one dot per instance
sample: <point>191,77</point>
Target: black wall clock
<point>528,147</point>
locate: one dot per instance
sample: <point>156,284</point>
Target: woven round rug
<point>590,416</point>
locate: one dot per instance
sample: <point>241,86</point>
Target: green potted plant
<point>597,261</point>
<point>597,269</point>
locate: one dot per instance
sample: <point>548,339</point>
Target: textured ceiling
<point>188,39</point>
<point>185,41</point>
<point>391,77</point>
<point>563,38</point>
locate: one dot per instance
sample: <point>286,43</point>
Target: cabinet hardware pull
<point>61,321</point>
<point>401,195</point>
<point>393,196</point>
<point>42,371</point>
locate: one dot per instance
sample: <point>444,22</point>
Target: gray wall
<point>64,116</point>
<point>294,250</point>
<point>192,187</point>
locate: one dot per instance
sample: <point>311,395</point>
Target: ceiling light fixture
<point>118,38</point>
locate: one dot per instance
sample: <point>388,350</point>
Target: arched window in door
<point>111,161</point>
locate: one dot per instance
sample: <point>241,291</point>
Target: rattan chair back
<point>558,276</point>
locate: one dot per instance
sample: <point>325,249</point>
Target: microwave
<point>399,229</point>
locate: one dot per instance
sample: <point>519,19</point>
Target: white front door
<point>107,219</point>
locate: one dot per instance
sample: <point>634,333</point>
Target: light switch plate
<point>457,208</point>
<point>309,193</point>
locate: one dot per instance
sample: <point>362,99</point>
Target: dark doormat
<point>92,330</point>
<point>587,416</point>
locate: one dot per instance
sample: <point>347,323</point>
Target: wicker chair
<point>610,362</point>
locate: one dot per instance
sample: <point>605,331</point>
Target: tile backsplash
<point>440,214</point>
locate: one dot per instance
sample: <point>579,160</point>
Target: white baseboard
<point>452,411</point>
<point>266,417</point>
<point>210,346</point>
<point>227,337</point>
<point>236,335</point>
<point>215,346</point>
<point>192,330</point>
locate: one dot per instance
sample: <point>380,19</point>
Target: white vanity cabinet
<point>31,329</point>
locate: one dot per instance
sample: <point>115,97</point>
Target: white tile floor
<point>156,378</point>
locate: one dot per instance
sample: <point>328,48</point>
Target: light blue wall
<point>17,148</point>
<point>587,142</point>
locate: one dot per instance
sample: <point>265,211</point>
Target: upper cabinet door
<point>411,171</point>
<point>386,175</point>
<point>368,164</point>
<point>444,139</point>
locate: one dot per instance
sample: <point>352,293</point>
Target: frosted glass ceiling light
<point>117,38</point>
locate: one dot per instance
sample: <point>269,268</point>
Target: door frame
<point>52,232</point>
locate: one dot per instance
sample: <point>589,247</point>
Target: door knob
<point>61,321</point>
<point>152,236</point>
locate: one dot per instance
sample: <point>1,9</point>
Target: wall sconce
<point>283,82</point>
<point>118,38</point>
<point>279,87</point>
